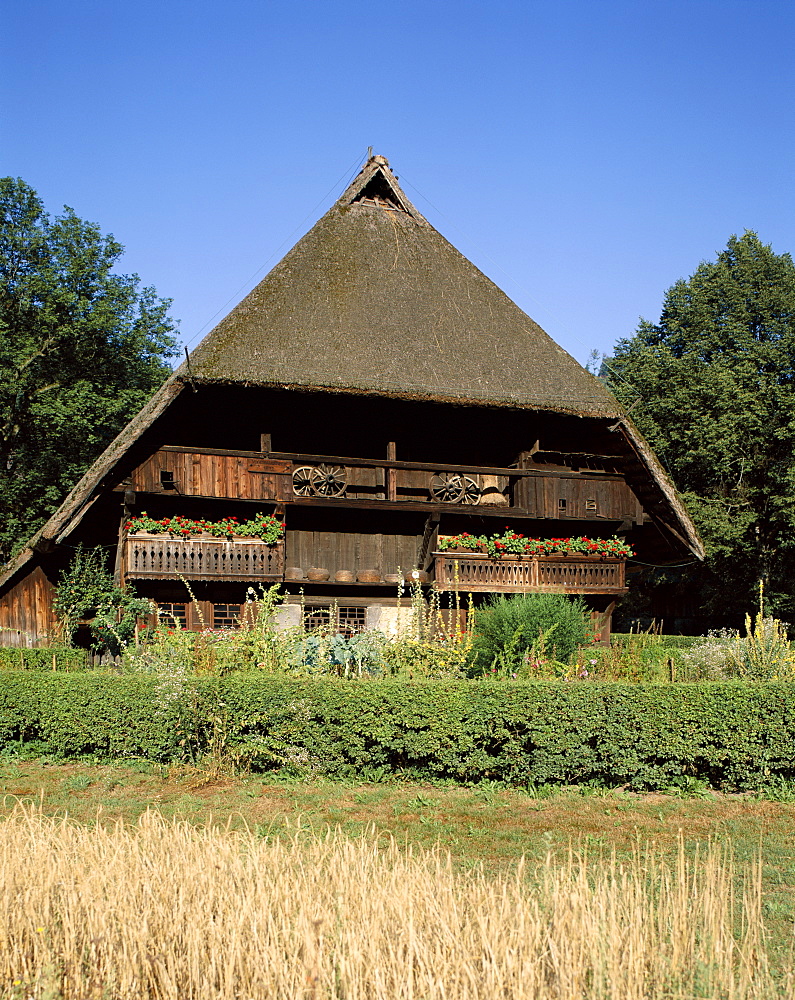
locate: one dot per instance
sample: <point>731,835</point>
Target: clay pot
<point>368,576</point>
<point>293,573</point>
<point>318,574</point>
<point>392,578</point>
<point>416,576</point>
<point>344,576</point>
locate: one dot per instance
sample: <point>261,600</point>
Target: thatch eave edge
<point>78,500</point>
<point>645,454</point>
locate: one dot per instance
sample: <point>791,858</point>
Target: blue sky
<point>583,153</point>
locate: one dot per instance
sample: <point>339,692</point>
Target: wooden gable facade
<point>374,392</point>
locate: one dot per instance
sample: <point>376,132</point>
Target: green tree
<point>81,349</point>
<point>713,383</point>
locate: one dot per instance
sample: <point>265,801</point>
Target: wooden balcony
<point>568,574</point>
<point>160,557</point>
<point>332,480</point>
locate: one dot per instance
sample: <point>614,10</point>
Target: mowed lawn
<point>483,826</point>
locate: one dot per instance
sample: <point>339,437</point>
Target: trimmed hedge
<point>89,714</point>
<point>42,658</point>
<point>731,735</point>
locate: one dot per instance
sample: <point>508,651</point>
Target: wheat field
<point>166,910</point>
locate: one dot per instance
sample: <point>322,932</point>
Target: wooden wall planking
<point>26,611</point>
<point>365,483</point>
<point>352,551</point>
<point>346,552</point>
<point>413,484</point>
<point>613,499</point>
<point>198,474</point>
<point>369,554</point>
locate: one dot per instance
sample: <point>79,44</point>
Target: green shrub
<point>86,589</point>
<point>622,639</point>
<point>42,658</point>
<point>729,735</point>
<point>522,633</point>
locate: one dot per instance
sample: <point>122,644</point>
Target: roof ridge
<point>376,176</point>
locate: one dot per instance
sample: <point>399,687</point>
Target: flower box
<point>509,543</point>
<point>262,527</point>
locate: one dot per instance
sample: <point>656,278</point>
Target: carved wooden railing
<point>158,557</point>
<point>571,574</point>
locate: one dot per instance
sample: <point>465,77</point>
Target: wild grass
<point>165,909</point>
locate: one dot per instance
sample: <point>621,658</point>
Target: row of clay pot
<point>319,575</point>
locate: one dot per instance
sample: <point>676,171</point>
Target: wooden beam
<point>118,566</point>
<point>442,467</point>
<point>265,443</point>
<point>78,517</point>
<point>604,622</point>
<point>235,453</point>
<point>673,531</point>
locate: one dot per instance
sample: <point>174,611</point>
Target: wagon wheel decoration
<point>302,481</point>
<point>328,481</point>
<point>470,492</point>
<point>447,488</point>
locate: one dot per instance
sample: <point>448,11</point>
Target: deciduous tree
<point>81,349</point>
<point>713,383</point>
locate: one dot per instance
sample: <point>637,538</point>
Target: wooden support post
<point>391,474</point>
<point>604,622</point>
<point>118,568</point>
<point>265,443</point>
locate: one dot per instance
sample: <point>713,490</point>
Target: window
<point>317,616</point>
<point>591,507</point>
<point>351,620</point>
<point>561,506</point>
<point>226,615</point>
<point>169,613</point>
<point>326,617</point>
<point>167,480</point>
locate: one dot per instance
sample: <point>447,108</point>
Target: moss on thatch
<point>374,299</point>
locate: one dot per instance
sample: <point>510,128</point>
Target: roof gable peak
<point>375,186</point>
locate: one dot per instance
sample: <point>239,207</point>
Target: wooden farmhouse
<point>375,392</point>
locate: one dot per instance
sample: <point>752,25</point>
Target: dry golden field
<point>165,909</point>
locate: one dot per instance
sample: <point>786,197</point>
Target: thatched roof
<point>373,299</point>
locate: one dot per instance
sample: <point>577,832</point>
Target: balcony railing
<point>158,557</point>
<point>568,574</point>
